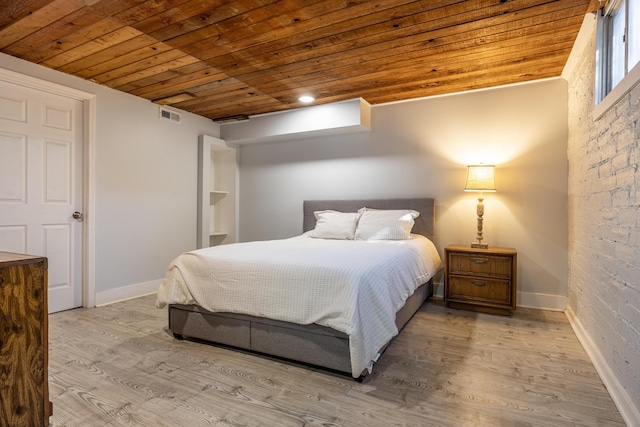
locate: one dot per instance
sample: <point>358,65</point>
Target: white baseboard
<point>541,301</point>
<point>523,299</point>
<point>438,290</point>
<point>127,292</point>
<point>630,412</point>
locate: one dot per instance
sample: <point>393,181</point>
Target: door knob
<point>77,215</point>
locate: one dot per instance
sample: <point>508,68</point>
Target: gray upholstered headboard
<point>424,223</point>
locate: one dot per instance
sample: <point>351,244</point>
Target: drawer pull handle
<point>479,260</point>
<point>479,282</point>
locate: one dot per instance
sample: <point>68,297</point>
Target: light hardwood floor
<point>119,366</point>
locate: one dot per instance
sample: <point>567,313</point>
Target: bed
<point>325,340</point>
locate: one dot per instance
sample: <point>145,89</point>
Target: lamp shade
<point>480,178</point>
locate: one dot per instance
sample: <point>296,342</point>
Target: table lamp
<point>480,178</point>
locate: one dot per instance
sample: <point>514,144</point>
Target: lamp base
<point>480,245</point>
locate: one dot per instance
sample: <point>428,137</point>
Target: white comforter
<point>355,287</point>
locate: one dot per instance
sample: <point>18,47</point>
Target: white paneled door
<point>41,185</point>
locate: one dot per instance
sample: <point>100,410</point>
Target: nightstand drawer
<point>491,266</point>
<point>479,290</point>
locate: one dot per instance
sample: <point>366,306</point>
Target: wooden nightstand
<point>480,279</point>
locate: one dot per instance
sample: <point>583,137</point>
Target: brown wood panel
<point>72,40</point>
<point>33,22</point>
<point>505,42</point>
<point>234,91</point>
<point>178,15</point>
<point>381,80</point>
<point>444,64</point>
<point>116,56</point>
<point>177,78</point>
<point>219,105</point>
<point>166,84</point>
<point>12,11</point>
<point>245,57</point>
<point>139,66</point>
<point>375,66</point>
<point>189,27</point>
<point>152,66</point>
<point>24,398</point>
<point>446,39</point>
<point>372,30</point>
<point>50,34</point>
<point>328,23</point>
<point>112,8</point>
<point>99,43</point>
<point>513,73</point>
<point>145,9</point>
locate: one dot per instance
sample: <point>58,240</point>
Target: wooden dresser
<point>480,279</point>
<point>24,382</point>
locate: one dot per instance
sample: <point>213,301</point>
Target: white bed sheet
<point>355,287</point>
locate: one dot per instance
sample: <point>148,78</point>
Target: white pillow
<point>335,225</point>
<point>385,224</point>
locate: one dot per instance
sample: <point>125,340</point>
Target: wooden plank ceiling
<point>223,59</point>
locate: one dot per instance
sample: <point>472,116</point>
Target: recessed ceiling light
<point>306,99</point>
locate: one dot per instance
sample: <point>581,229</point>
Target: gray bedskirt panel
<point>196,322</point>
<point>413,303</point>
<point>316,349</point>
<point>311,344</point>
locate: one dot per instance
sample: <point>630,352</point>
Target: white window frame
<point>606,96</point>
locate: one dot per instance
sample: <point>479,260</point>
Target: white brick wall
<point>604,225</point>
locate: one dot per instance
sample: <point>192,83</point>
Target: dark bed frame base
<point>309,344</point>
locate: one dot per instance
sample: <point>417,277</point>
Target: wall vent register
<point>170,115</point>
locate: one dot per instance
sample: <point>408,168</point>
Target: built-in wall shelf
<point>216,196</point>
<point>217,192</point>
<point>217,238</point>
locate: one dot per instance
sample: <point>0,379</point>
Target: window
<point>634,32</point>
<point>618,50</point>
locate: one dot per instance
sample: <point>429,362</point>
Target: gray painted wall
<point>145,181</point>
<point>421,148</point>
